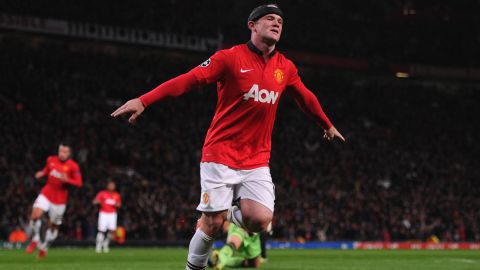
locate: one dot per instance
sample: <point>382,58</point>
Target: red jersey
<point>108,201</point>
<point>56,189</point>
<point>249,89</point>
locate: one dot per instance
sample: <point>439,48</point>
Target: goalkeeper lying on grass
<point>242,249</point>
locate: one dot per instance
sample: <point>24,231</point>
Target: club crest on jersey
<point>278,75</point>
<point>263,96</point>
<point>206,63</point>
<point>205,198</point>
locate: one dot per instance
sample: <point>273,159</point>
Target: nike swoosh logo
<point>245,70</point>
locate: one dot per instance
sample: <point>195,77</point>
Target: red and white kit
<point>107,217</point>
<point>54,194</point>
<point>239,138</point>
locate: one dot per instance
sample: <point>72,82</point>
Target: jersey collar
<point>257,50</point>
<point>64,161</point>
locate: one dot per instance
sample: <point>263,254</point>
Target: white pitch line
<point>463,260</point>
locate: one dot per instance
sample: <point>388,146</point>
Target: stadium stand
<point>386,32</point>
<point>407,171</point>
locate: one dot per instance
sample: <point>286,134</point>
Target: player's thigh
<point>40,206</point>
<point>56,213</point>
<point>257,192</point>
<point>36,213</point>
<point>112,222</point>
<point>102,222</point>
<point>217,183</point>
<point>255,211</point>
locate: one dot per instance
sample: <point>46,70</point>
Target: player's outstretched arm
<point>172,88</point>
<point>133,108</point>
<point>309,103</point>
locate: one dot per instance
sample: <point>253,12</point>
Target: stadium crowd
<point>424,32</point>
<point>407,171</point>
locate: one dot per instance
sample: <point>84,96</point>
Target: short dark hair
<point>66,143</point>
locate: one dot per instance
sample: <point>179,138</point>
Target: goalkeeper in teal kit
<point>242,249</point>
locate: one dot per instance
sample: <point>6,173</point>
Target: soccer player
<point>109,201</point>
<point>243,249</point>
<point>60,171</point>
<point>250,79</point>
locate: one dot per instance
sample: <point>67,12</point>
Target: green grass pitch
<point>170,258</point>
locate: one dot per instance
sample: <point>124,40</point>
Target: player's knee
<point>36,214</point>
<point>212,222</point>
<point>52,225</point>
<point>255,215</point>
<point>257,222</point>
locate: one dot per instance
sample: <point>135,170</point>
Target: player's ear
<point>250,25</point>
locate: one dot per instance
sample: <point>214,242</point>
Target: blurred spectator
<point>392,31</point>
<point>17,236</point>
<point>120,235</point>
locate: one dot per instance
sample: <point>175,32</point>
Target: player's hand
<point>331,133</point>
<point>38,175</point>
<point>133,107</point>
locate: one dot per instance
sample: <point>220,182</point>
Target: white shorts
<point>107,221</point>
<point>222,184</point>
<point>55,211</point>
